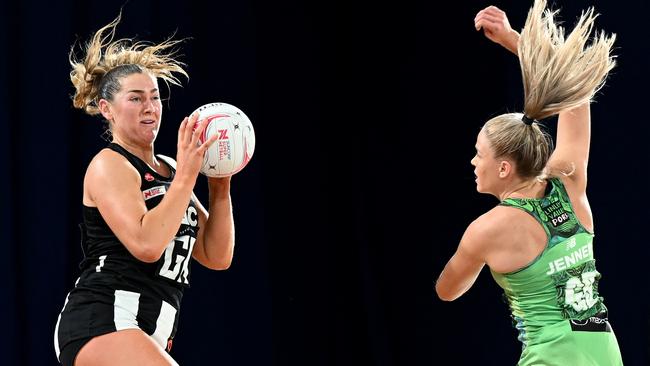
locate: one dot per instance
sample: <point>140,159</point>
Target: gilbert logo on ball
<point>235,142</point>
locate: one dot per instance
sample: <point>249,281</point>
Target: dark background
<point>360,188</point>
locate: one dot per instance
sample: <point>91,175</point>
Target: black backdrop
<point>359,189</point>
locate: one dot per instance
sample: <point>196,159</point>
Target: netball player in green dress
<point>538,242</point>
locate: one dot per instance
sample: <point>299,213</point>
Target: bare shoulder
<point>500,216</point>
<point>485,230</point>
<point>108,171</point>
<point>505,219</point>
<point>493,221</point>
<point>488,229</point>
<point>110,164</point>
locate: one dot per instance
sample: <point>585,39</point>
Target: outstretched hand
<point>496,27</point>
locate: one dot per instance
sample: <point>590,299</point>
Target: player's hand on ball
<point>190,150</point>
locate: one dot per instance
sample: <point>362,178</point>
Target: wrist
<point>219,182</point>
<point>512,41</point>
<point>219,187</point>
<point>183,184</point>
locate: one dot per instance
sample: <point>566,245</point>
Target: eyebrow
<point>141,91</point>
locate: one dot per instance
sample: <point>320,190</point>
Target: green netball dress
<point>554,300</point>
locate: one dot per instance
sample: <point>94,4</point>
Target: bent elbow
<point>223,266</point>
<point>220,265</point>
<point>148,256</point>
<point>145,253</point>
<point>445,295</point>
<point>218,262</point>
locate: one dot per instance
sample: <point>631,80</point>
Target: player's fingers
<point>482,24</point>
<point>478,15</point>
<point>489,17</point>
<point>487,23</point>
<point>199,132</point>
<point>204,146</point>
<point>494,10</point>
<point>182,130</point>
<point>192,126</point>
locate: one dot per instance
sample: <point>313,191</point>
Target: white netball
<point>235,142</point>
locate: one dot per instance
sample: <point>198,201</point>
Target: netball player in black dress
<point>142,223</point>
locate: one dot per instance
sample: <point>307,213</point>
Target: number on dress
<point>177,269</point>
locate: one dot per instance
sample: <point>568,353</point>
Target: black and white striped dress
<point>116,290</point>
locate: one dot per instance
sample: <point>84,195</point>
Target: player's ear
<point>505,169</point>
<point>105,108</point>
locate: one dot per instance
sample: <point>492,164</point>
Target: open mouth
<point>148,122</point>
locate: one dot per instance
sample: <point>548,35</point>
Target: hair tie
<point>527,121</point>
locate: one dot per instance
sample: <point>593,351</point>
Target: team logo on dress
<point>153,192</point>
<point>148,177</point>
<point>169,344</point>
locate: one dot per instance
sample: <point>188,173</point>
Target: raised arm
<point>215,243</point>
<point>571,153</point>
<point>496,27</point>
<point>113,186</point>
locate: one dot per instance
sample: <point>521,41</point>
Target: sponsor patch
<point>153,192</point>
<point>556,213</point>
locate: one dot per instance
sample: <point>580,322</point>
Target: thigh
<point>125,347</point>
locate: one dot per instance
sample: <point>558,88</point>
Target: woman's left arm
<point>215,242</point>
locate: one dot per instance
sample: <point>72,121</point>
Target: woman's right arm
<point>113,185</point>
